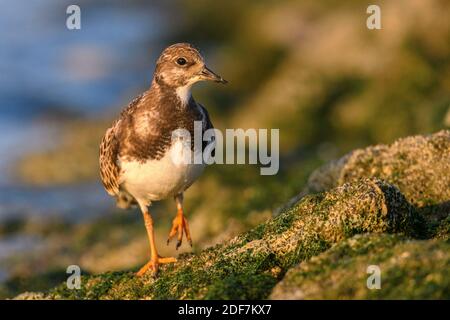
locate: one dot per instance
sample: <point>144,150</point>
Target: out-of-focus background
<point>310,68</point>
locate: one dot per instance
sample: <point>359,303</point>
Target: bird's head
<point>182,65</point>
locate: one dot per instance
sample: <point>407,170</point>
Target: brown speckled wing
<point>109,151</point>
<point>207,124</point>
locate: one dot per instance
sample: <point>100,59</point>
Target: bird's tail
<point>125,201</point>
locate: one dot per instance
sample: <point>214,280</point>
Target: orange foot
<point>154,264</point>
<point>180,225</point>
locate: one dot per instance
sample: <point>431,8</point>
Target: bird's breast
<point>153,180</point>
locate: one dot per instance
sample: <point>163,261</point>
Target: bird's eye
<point>181,61</point>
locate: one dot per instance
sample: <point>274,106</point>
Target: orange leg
<point>155,259</point>
<point>180,224</point>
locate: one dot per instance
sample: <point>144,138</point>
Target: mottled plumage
<point>109,150</point>
<point>136,153</point>
<point>144,132</point>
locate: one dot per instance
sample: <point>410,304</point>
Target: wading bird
<point>136,153</point>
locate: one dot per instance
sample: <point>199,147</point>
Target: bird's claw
<point>179,226</point>
<point>153,265</point>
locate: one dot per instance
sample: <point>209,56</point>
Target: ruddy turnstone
<point>136,159</point>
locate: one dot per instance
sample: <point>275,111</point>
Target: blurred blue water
<point>48,71</point>
<point>45,65</point>
<point>72,202</point>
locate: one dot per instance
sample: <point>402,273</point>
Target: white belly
<point>155,180</point>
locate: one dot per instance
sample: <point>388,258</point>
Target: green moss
<point>415,269</point>
<point>402,164</point>
<point>263,254</point>
<point>242,287</point>
<point>442,230</point>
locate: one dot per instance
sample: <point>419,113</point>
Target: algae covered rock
<point>419,166</point>
<point>370,207</point>
<point>443,229</point>
<point>409,269</point>
<point>249,266</point>
<point>31,296</point>
<point>363,209</point>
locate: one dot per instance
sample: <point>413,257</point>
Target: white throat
<point>184,94</point>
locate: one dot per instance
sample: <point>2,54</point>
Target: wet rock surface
<point>365,209</point>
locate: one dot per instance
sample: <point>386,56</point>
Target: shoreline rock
<point>374,204</point>
<point>419,166</point>
<point>249,266</point>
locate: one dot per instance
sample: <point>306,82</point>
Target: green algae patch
<point>443,229</point>
<point>419,166</point>
<point>409,269</point>
<point>364,209</point>
<point>249,266</point>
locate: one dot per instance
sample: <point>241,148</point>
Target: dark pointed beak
<point>208,74</point>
